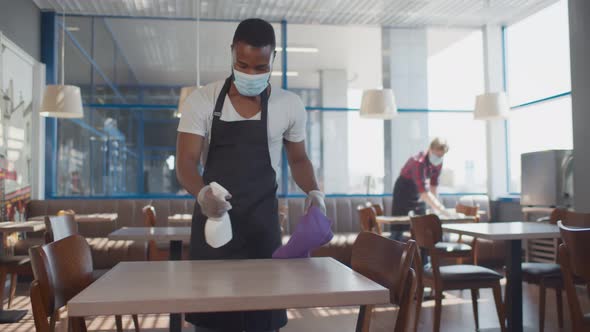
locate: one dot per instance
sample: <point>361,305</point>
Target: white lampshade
<point>184,93</point>
<point>378,104</point>
<point>489,106</point>
<point>62,101</point>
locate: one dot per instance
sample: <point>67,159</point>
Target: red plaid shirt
<point>418,168</point>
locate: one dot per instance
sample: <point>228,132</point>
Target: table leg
<point>514,286</point>
<point>175,255</point>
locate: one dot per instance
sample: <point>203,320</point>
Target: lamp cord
<point>63,44</point>
<point>197,41</point>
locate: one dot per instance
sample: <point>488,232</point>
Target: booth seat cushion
<point>108,253</point>
<point>21,247</point>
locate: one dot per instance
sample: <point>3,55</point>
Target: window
<point>455,68</point>
<point>538,67</point>
<point>330,73</point>
<point>537,55</point>
<point>465,168</point>
<point>552,129</point>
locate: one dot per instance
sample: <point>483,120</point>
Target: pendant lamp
<point>378,104</point>
<point>60,100</point>
<point>490,106</point>
<point>187,90</point>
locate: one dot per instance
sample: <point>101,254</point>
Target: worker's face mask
<point>434,159</point>
<point>250,85</point>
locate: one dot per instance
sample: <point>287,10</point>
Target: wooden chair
<point>388,263</point>
<point>155,252</point>
<point>548,275</point>
<point>471,211</point>
<point>15,266</point>
<point>574,265</point>
<point>62,269</point>
<point>60,227</point>
<point>368,220</point>
<point>378,209</point>
<point>427,231</point>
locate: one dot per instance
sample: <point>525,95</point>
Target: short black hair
<point>255,32</point>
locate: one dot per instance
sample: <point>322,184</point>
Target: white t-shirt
<point>286,118</point>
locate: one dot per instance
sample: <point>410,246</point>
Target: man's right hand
<point>211,205</point>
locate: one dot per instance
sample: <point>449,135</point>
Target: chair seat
<point>454,247</point>
<point>541,269</point>
<point>465,273</point>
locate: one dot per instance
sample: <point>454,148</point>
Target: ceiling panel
<point>392,13</point>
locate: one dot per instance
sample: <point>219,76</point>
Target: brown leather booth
<point>107,253</point>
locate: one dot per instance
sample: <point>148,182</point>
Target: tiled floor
<point>457,316</point>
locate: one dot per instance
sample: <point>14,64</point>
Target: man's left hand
<point>315,198</point>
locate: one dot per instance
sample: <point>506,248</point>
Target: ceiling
<point>390,13</point>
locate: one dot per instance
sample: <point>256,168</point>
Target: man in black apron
<point>410,193</point>
<point>238,158</point>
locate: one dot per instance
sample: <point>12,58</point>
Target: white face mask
<point>434,159</point>
<point>250,85</point>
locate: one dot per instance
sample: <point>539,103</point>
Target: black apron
<point>405,199</point>
<point>239,160</point>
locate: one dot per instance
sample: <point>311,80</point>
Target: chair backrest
<point>387,262</point>
<point>470,211</point>
<point>59,227</point>
<point>574,265</point>
<point>368,219</point>
<point>577,243</point>
<point>62,269</point>
<point>426,230</point>
<point>149,215</point>
<point>378,209</point>
<point>576,219</point>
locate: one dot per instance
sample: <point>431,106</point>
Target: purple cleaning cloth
<point>313,231</point>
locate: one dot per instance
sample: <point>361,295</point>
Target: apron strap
<point>221,98</point>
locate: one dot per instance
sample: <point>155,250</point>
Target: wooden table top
<point>515,230</point>
<point>24,226</point>
<point>152,233</point>
<point>405,220</point>
<point>226,285</point>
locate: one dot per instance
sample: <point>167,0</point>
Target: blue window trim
<point>542,100</point>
